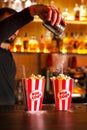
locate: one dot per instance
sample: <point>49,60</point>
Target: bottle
<point>65,14</point>
<point>55,44</point>
<point>76,12</point>
<point>41,43</point>
<point>76,42</point>
<point>25,41</point>
<point>33,44</point>
<point>4,3</point>
<point>52,3</point>
<point>11,4</point>
<point>48,40</point>
<point>18,44</point>
<point>34,2</point>
<point>85,42</point>
<point>81,43</point>
<point>27,3</point>
<point>82,10</point>
<point>71,42</point>
<point>18,5</point>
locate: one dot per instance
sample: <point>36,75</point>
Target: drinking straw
<point>24,71</point>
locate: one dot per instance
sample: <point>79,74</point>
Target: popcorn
<point>36,77</point>
<point>61,76</point>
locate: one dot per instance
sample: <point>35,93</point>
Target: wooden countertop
<point>47,119</point>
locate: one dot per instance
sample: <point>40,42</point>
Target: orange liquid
<point>18,47</point>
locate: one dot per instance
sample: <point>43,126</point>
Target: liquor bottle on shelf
<point>76,12</point>
<point>55,44</point>
<point>11,4</point>
<point>42,43</point>
<point>33,44</point>
<point>52,3</point>
<point>34,2</point>
<point>18,44</point>
<point>83,10</point>
<point>81,43</point>
<point>5,3</point>
<point>27,3</point>
<point>85,43</point>
<point>48,40</point>
<point>25,41</point>
<point>71,42</point>
<point>65,14</point>
<point>76,42</point>
<point>18,5</point>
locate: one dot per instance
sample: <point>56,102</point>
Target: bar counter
<point>47,119</point>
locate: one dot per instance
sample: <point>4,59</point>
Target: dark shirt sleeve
<point>9,25</point>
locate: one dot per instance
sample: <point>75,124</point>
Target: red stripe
<point>56,87</point>
<point>40,105</point>
<point>26,93</point>
<point>70,89</point>
<point>41,100</point>
<point>36,84</point>
<point>29,91</point>
<point>63,84</point>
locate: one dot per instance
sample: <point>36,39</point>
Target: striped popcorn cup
<point>33,93</point>
<point>62,93</point>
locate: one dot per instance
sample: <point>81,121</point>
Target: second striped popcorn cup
<point>62,86</point>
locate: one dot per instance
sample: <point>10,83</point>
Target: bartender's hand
<point>48,13</point>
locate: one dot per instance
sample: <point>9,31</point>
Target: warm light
<point>83,51</point>
<point>71,17</point>
<point>37,50</point>
<point>76,95</point>
<point>33,44</point>
<point>74,50</point>
<point>46,50</point>
<point>64,50</point>
<point>18,44</point>
<point>22,49</point>
<point>14,49</point>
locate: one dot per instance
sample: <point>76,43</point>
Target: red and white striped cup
<point>33,93</point>
<point>62,93</point>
